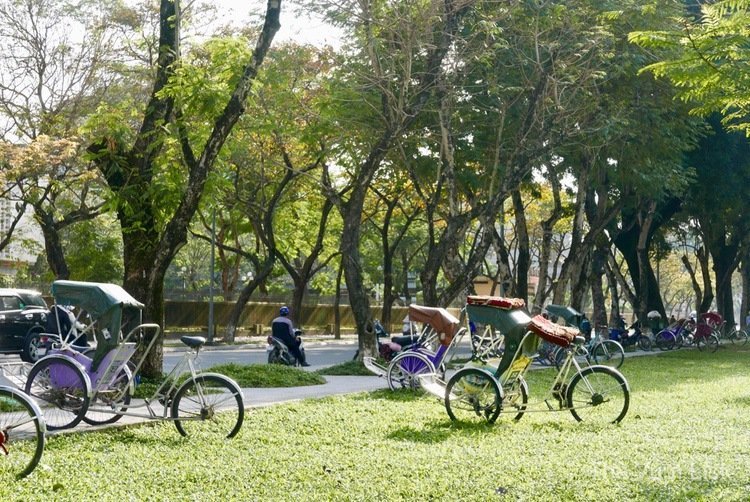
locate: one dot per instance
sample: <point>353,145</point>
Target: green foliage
<point>684,438</point>
<point>706,58</point>
<point>94,250</point>
<point>355,368</point>
<point>267,375</point>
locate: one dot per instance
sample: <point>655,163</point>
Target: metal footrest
<point>16,373</point>
<point>432,385</point>
<point>374,367</point>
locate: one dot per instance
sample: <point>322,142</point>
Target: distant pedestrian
<point>585,327</point>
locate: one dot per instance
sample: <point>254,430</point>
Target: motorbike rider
<point>283,329</point>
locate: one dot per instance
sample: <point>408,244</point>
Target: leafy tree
<point>154,212</point>
<point>706,57</point>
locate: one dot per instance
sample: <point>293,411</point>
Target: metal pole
<point>211,281</point>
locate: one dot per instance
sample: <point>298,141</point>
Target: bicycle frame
<point>520,365</point>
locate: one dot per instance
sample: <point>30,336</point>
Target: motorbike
<point>388,349</point>
<point>278,352</point>
<point>630,337</point>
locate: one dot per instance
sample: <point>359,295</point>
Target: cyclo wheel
<point>709,343</point>
<point>581,355</point>
<point>599,395</point>
<point>473,395</point>
<point>739,337</point>
<point>516,396</point>
<point>644,343</point>
<point>665,340</point>
<point>104,399</point>
<point>61,390</point>
<point>404,370</point>
<point>209,405</point>
<point>609,353</point>
<point>21,434</point>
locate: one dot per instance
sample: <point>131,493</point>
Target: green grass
<point>355,368</point>
<point>684,438</point>
<point>247,375</point>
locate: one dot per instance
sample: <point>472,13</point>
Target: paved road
<point>318,356</point>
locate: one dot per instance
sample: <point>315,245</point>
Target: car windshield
<point>33,300</point>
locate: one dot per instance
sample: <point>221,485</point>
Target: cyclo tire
<point>200,399</point>
<point>644,343</point>
<point>405,368</point>
<point>594,387</point>
<point>95,417</point>
<point>739,337</point>
<point>62,391</point>
<point>473,394</point>
<point>20,419</point>
<point>609,353</point>
<point>517,396</point>
<point>710,343</point>
<point>665,340</point>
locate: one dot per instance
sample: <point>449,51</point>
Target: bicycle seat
<point>193,341</point>
<point>579,340</point>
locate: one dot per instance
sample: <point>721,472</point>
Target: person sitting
<point>283,329</point>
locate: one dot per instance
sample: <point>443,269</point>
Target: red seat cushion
<point>551,332</point>
<point>496,301</point>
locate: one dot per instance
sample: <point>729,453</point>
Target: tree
<point>134,166</point>
<point>397,66</point>
<point>706,58</point>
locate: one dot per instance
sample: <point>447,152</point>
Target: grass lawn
<point>685,438</point>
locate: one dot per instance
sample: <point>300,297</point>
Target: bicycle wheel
<point>107,409</point>
<point>708,343</point>
<point>665,340</point>
<point>516,396</point>
<point>210,405</point>
<point>599,395</point>
<point>404,370</point>
<point>61,390</point>
<point>679,341</point>
<point>581,355</point>
<point>473,395</point>
<point>738,337</point>
<point>21,434</point>
<point>609,353</point>
<point>644,343</point>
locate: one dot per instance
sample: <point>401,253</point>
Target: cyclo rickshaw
<point>97,386</point>
<point>478,392</point>
<point>405,368</point>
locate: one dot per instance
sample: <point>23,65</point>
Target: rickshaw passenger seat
<point>193,342</point>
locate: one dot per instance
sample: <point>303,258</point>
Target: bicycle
<point>603,351</point>
<point>22,433</point>
<point>71,386</point>
<point>734,334</point>
<point>592,394</point>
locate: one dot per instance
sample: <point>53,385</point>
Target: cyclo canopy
<point>569,314</point>
<point>508,316</point>
<point>440,319</point>
<point>104,302</point>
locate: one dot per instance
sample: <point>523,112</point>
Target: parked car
<point>23,314</point>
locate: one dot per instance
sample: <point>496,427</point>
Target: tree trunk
<point>523,260</point>
<point>548,225</point>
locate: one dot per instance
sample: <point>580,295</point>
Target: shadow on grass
<point>439,431</point>
<point>400,395</point>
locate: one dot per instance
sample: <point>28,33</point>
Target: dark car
<point>23,314</point>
